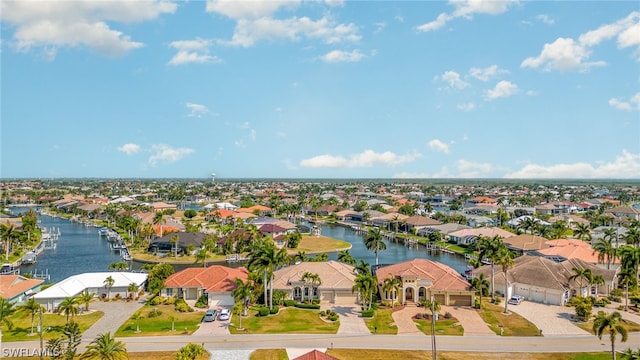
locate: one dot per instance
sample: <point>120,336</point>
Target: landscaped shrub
<point>315,301</point>
<point>170,301</point>
<point>118,296</point>
<point>368,313</point>
<point>156,300</point>
<point>322,313</point>
<point>333,317</point>
<point>263,311</point>
<point>154,313</point>
<point>289,302</point>
<point>183,307</point>
<point>308,306</point>
<point>274,309</point>
<point>447,315</point>
<point>202,302</point>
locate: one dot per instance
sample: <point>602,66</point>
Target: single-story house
<point>184,240</point>
<point>422,279</point>
<point>17,289</point>
<point>525,243</point>
<point>94,283</point>
<point>217,282</point>
<point>336,282</point>
<point>539,279</point>
<point>469,236</point>
<point>419,222</point>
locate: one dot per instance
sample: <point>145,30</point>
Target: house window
<point>315,292</point>
<point>169,292</point>
<point>306,292</point>
<point>297,292</point>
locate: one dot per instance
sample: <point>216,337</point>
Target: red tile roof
<point>12,285</point>
<point>315,355</point>
<point>215,278</point>
<point>442,276</point>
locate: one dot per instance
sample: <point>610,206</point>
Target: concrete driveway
<point>216,327</point>
<point>551,319</point>
<point>404,320</point>
<point>469,319</point>
<point>350,320</point>
<point>116,313</point>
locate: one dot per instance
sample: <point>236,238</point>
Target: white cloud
<point>631,105</point>
<point>167,154</point>
<point>625,166</point>
<point>196,110</point>
<point>129,149</point>
<point>466,9</point>
<point>337,56</point>
<point>566,54</point>
<point>486,73</point>
<point>453,79</point>
<point>193,51</point>
<point>438,145</point>
<point>545,19</point>
<point>366,158</point>
<point>466,107</point>
<point>502,89</point>
<point>255,21</point>
<point>53,24</point>
<point>462,169</point>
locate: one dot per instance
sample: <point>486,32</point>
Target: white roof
<point>76,284</point>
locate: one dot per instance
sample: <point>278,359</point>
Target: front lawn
<point>53,323</point>
<point>183,323</point>
<point>510,324</point>
<point>269,354</point>
<point>374,354</point>
<point>287,321</point>
<point>382,322</point>
<point>443,326</point>
<point>629,325</point>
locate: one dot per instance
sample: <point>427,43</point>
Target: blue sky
<point>320,89</point>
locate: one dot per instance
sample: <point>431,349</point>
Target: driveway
<point>216,327</point>
<point>350,320</point>
<point>404,320</point>
<point>551,319</point>
<point>115,314</point>
<point>469,319</point>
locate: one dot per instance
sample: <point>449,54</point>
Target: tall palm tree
<point>242,293</point>
<point>373,242</point>
<point>365,284</point>
<point>610,323</point>
<point>33,307</point>
<point>265,258</point>
<point>488,249</point>
<point>8,233</point>
<point>105,347</point>
<point>480,284</point>
<point>300,256</point>
<point>581,274</point>
<point>632,237</point>
<point>201,256</point>
<point>629,258</point>
<point>504,258</point>
<point>108,283</point>
<point>158,219</point>
<point>582,231</point>
<point>85,298</point>
<point>392,285</point>
<point>132,289</point>
<point>607,253</point>
<point>69,307</point>
<point>626,278</point>
<point>611,234</point>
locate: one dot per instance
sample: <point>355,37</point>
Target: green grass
<point>629,325</point>
<point>287,321</point>
<point>512,323</point>
<point>443,327</point>
<point>54,323</point>
<point>377,354</point>
<point>382,322</point>
<point>183,323</point>
<point>269,354</point>
<point>319,244</point>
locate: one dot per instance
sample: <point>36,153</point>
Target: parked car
<point>210,315</point>
<point>224,315</point>
<point>515,300</point>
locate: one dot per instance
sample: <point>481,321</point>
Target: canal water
<point>80,249</point>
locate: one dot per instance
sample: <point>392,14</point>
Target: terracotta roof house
<point>337,280</point>
<point>570,220</point>
<point>160,206</point>
<point>344,214</point>
<point>315,355</point>
<point>421,279</point>
<point>444,229</point>
<point>217,282</point>
<point>562,253</point>
<point>525,243</point>
<point>539,279</point>
<point>259,210</point>
<point>272,230</point>
<point>17,289</point>
<point>624,211</point>
<point>419,222</point>
<point>388,220</point>
<point>469,236</point>
<point>567,242</point>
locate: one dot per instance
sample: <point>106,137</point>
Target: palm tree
<point>346,257</point>
<point>488,249</point>
<point>69,307</point>
<point>8,232</point>
<point>105,347</point>
<point>175,239</point>
<point>132,289</point>
<point>629,258</point>
<point>610,323</point>
<point>242,293</point>
<point>504,258</point>
<point>581,274</point>
<point>433,305</point>
<point>108,283</point>
<point>266,258</point>
<point>201,256</point>
<point>363,267</point>
<point>136,317</point>
<point>606,251</point>
<point>158,219</point>
<point>300,256</point>
<point>85,298</point>
<point>33,307</point>
<point>582,231</point>
<point>373,242</point>
<point>392,285</point>
<point>626,278</point>
<point>480,284</point>
<point>630,354</point>
<point>365,285</point>
<point>6,310</point>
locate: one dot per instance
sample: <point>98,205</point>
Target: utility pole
<point>41,333</point>
<point>433,329</point>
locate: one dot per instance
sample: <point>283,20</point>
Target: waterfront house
<point>216,282</point>
<point>469,236</point>
<point>161,206</point>
<point>423,279</point>
<point>17,289</point>
<point>185,240</point>
<point>417,222</point>
<point>93,283</point>
<point>335,287</point>
<point>525,243</point>
<point>539,279</point>
<point>624,212</point>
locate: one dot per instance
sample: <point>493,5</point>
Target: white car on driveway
<point>224,315</point>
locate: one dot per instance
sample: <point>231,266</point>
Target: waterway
<point>80,249</point>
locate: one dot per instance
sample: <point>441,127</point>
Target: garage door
<point>327,297</point>
<point>345,298</point>
<point>220,300</point>
<point>554,299</point>
<point>537,295</point>
<point>460,300</point>
<point>439,298</point>
<point>522,291</point>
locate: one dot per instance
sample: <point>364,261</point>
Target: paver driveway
<point>551,319</point>
<point>350,320</point>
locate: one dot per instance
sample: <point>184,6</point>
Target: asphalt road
<point>569,343</point>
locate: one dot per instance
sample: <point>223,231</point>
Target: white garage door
<point>220,300</point>
<point>327,297</point>
<point>537,295</point>
<point>345,298</point>
<point>522,290</point>
<point>554,299</point>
